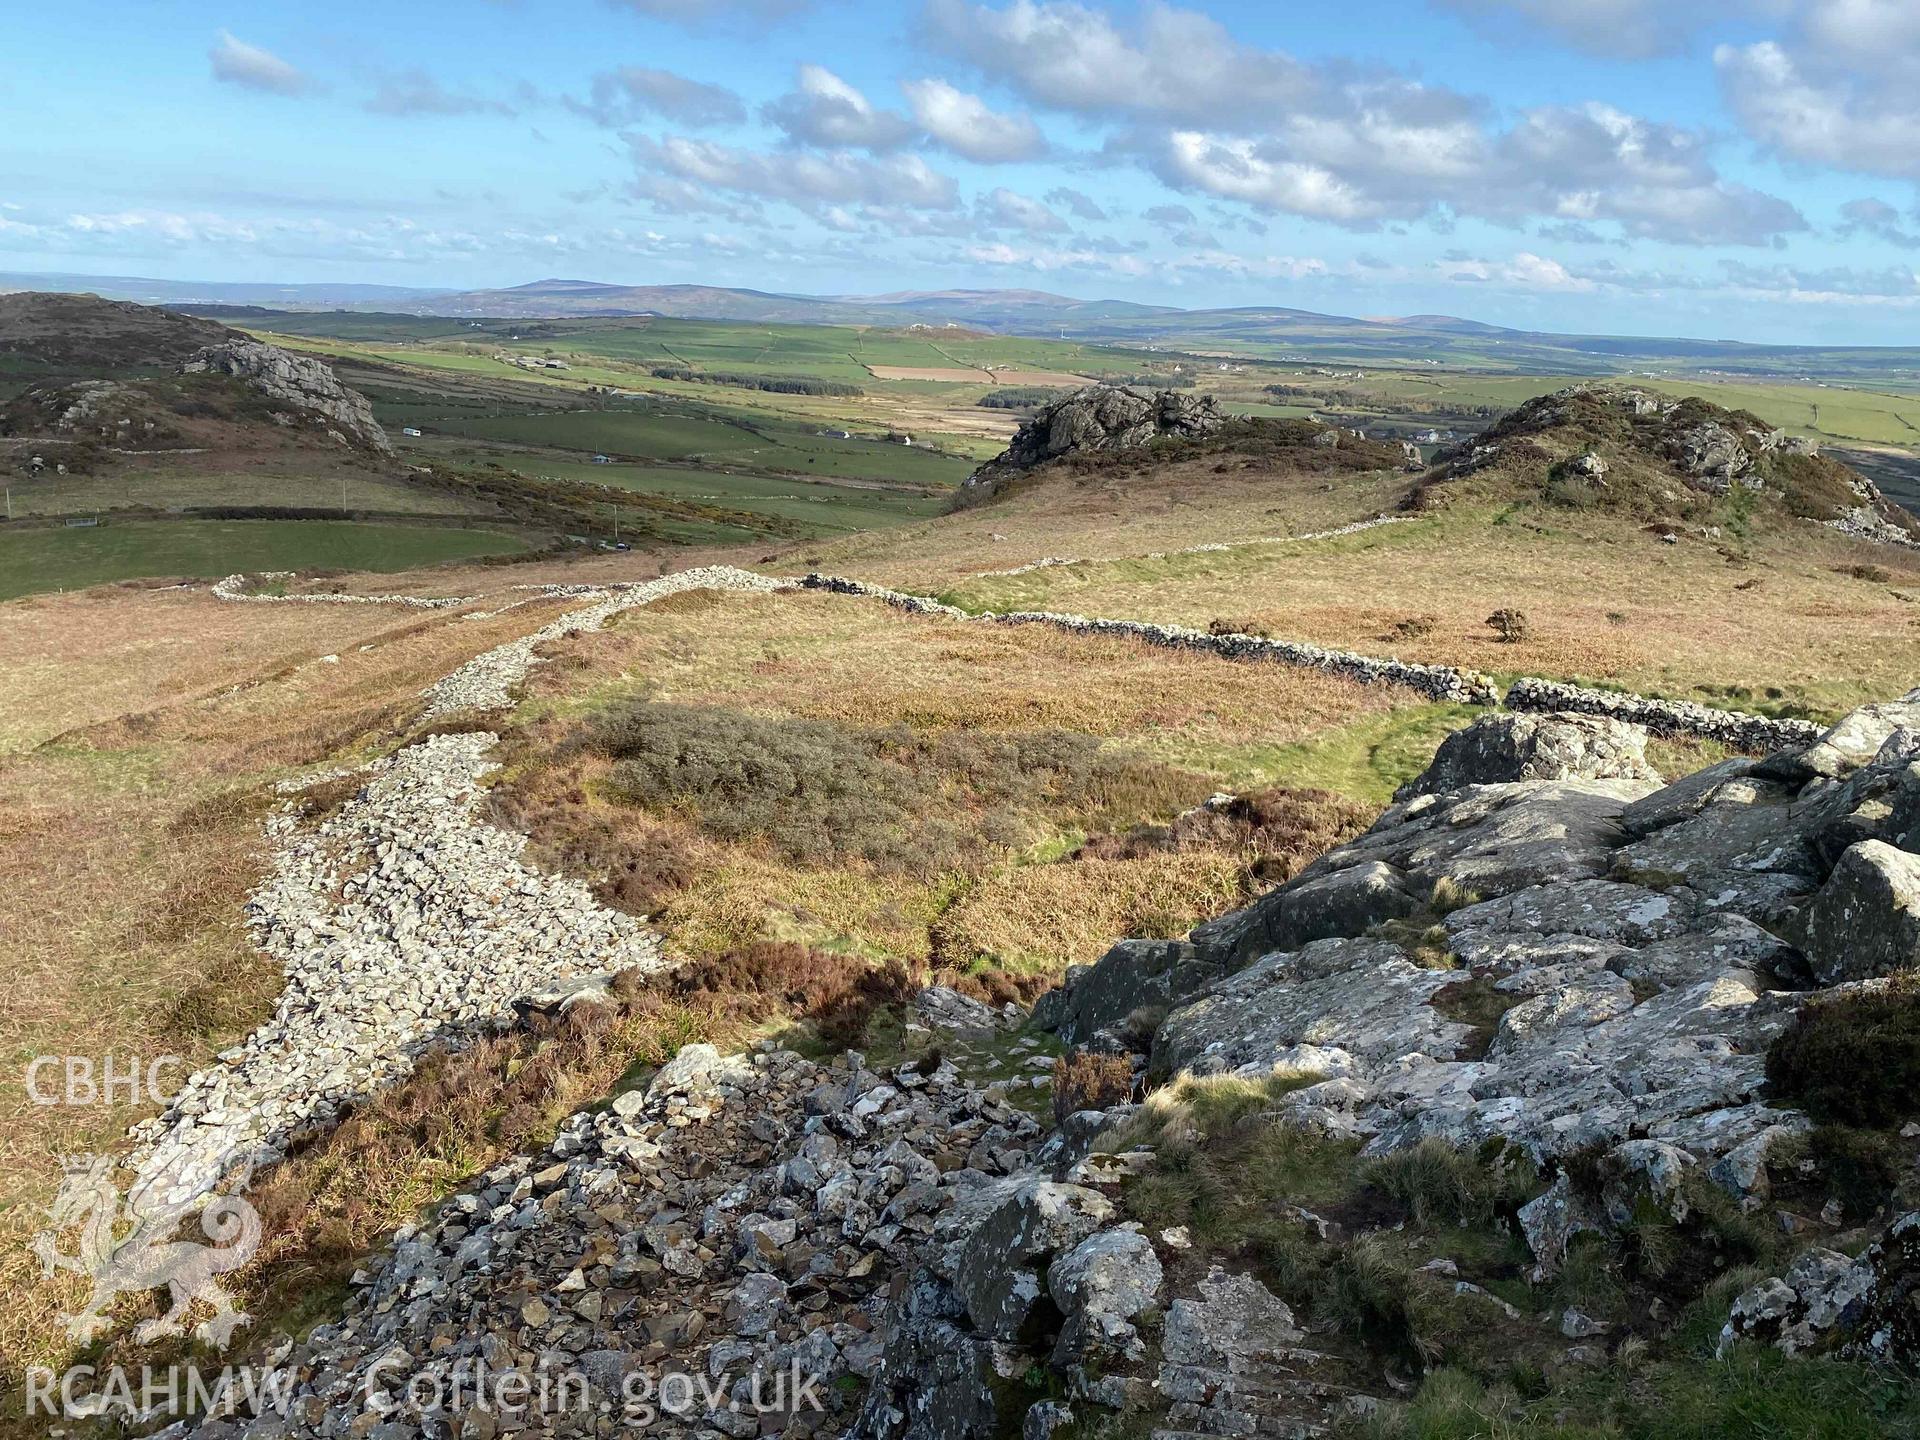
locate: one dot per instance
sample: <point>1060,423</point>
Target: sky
<point>1738,169</point>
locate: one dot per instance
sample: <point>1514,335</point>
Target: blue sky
<point>1726,168</point>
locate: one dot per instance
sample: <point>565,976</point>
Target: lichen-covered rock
<point>1100,1286</point>
<point>1340,902</point>
<point>1497,749</point>
<point>306,384</point>
<point>1363,996</point>
<point>1100,417</point>
<point>1134,975</point>
<point>1711,453</point>
<point>1000,1265</point>
<point>1865,921</point>
<point>1864,1309</point>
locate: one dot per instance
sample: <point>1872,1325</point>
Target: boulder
<point>1866,919</point>
<point>1099,1286</point>
<point>1712,453</point>
<point>1498,749</point>
<point>1858,737</point>
<point>999,1265</point>
<point>1335,903</point>
<point>1133,975</point>
<point>1864,1309</point>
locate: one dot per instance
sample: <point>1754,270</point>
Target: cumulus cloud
<point>966,125</point>
<point>1213,116</point>
<point>1633,29</point>
<point>1404,153</point>
<point>1878,219</point>
<point>826,111</point>
<point>1004,209</point>
<point>810,179</point>
<point>235,62</point>
<point>1076,204</point>
<point>415,92</point>
<point>694,13</point>
<point>620,97</point>
<point>1838,90</point>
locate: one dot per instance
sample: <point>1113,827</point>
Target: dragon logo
<point>133,1244</point>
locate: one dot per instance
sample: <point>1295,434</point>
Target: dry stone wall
<point>1755,734</point>
<point>1437,682</point>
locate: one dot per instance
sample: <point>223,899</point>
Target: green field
<point>822,508</point>
<point>70,559</point>
<point>186,488</point>
<point>671,431</point>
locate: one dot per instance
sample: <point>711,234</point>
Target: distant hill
<point>1260,331</point>
<point>80,334</point>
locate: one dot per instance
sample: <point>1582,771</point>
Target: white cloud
<point>966,125</point>
<point>1213,116</point>
<point>808,179</point>
<point>1005,210</point>
<point>415,92</point>
<point>620,97</point>
<point>237,63</point>
<point>1075,203</point>
<point>825,110</point>
<point>1522,271</point>
<point>1633,29</point>
<point>1838,91</point>
<point>1878,219</point>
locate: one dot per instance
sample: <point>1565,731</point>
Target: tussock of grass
<point>1439,1185</point>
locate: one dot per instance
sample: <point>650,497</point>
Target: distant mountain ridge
<point>1254,331</point>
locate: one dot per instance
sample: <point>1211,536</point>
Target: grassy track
<point>37,560</point>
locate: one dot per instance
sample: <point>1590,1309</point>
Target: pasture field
<point>1794,623</point>
<point>190,484</point>
<point>38,560</point>
<point>673,432</point>
<point>821,507</point>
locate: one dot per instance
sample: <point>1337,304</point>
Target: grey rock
<point>1497,749</point>
<point>296,380</point>
<point>1100,417</point>
<point>998,1275</point>
<point>1100,1285</point>
<point>1865,922</point>
<point>1133,975</point>
<point>1362,995</point>
<point>1333,903</point>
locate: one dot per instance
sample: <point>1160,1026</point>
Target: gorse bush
<point>901,800</point>
<point>1853,1059</point>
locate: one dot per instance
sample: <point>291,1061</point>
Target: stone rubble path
<point>401,921</point>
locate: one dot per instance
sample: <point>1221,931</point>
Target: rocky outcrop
<point>1626,956</point>
<point>1622,437</point>
<point>1498,749</point>
<point>306,386</point>
<point>1100,417</point>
